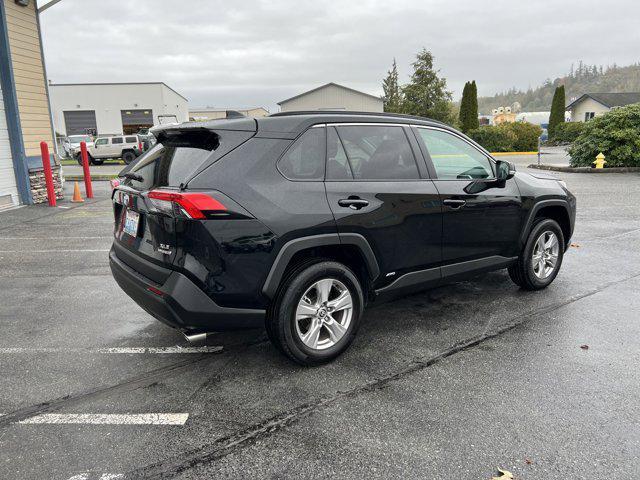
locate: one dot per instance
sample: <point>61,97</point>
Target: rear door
<point>145,216</point>
<point>116,144</point>
<point>376,189</point>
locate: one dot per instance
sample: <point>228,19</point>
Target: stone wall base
<point>39,186</point>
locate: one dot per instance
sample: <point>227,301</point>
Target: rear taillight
<point>193,204</point>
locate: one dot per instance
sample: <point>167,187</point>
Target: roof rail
<point>353,113</point>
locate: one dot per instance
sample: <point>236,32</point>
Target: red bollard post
<point>85,170</point>
<point>48,174</point>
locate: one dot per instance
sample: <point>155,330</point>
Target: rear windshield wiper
<point>133,176</point>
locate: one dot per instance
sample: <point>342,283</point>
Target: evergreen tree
<point>463,116</point>
<point>474,122</point>
<point>426,94</point>
<point>556,116</point>
<point>392,95</point>
<point>469,107</point>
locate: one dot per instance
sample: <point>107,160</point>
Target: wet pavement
<point>451,383</point>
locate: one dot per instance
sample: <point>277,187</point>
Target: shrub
<point>616,134</point>
<point>567,132</point>
<point>494,139</point>
<point>527,135</point>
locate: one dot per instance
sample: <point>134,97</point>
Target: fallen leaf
<point>503,475</point>
<point>575,245</point>
<point>584,347</point>
<point>528,461</point>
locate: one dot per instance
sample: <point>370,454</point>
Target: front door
<point>481,227</point>
<point>101,148</point>
<point>375,189</point>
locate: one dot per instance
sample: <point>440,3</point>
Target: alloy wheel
<point>545,255</point>
<point>323,314</point>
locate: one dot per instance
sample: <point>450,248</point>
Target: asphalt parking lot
<point>451,383</point>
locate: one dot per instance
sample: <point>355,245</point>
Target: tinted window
<point>304,160</point>
<point>378,152</point>
<point>168,166</point>
<point>453,158</point>
<point>115,140</point>
<point>337,164</point>
<point>179,155</point>
<point>131,140</point>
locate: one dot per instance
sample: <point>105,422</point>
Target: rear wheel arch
<point>352,250</point>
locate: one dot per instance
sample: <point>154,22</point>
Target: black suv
<point>297,221</point>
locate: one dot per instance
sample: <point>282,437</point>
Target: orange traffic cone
<point>77,198</point>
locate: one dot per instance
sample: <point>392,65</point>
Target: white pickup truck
<point>126,147</point>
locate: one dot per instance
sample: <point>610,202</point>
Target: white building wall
<point>7,173</point>
<point>333,97</point>
<point>108,100</point>
<point>587,105</point>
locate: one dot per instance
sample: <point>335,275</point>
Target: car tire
<point>95,161</point>
<point>331,299</point>
<point>128,157</point>
<point>541,258</point>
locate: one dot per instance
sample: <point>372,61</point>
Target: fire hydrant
<point>600,161</point>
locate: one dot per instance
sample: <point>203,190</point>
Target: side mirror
<point>504,170</point>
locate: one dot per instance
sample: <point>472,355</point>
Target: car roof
<point>289,125</point>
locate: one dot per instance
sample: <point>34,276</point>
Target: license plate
<point>131,223</point>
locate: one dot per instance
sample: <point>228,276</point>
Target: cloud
<point>234,54</point>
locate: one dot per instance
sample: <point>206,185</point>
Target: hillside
<point>585,78</point>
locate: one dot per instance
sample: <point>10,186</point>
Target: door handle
<point>454,204</point>
<point>354,203</point>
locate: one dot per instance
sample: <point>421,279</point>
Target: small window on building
<point>115,140</point>
<point>589,115</point>
<point>131,140</point>
<point>304,160</point>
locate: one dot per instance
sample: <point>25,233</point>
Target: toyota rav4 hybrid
<point>296,222</point>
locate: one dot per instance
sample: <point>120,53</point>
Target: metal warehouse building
<point>25,118</point>
<point>333,97</point>
<point>113,108</point>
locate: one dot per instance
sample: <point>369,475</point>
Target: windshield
<point>79,138</point>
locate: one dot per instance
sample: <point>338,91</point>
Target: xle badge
<point>164,248</point>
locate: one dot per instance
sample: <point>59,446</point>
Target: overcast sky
<point>249,53</point>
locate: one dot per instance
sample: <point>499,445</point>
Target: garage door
<point>8,187</point>
<point>134,120</point>
<point>81,122</point>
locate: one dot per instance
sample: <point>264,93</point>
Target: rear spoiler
<point>243,124</point>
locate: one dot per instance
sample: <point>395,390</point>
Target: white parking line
<point>54,251</point>
<point>107,419</point>
<point>104,476</point>
<point>57,238</point>
<point>114,350</point>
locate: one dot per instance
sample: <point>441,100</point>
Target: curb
<point>554,168</point>
<point>504,154</point>
<point>94,178</point>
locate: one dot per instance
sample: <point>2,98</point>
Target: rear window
<point>116,140</point>
<point>131,140</point>
<point>179,156</point>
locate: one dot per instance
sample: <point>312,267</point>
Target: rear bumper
<point>179,303</point>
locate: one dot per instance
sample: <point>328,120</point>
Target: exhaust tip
<point>196,338</point>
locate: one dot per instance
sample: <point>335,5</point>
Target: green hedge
<point>616,134</point>
<point>494,139</point>
<point>508,137</point>
<point>567,132</point>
